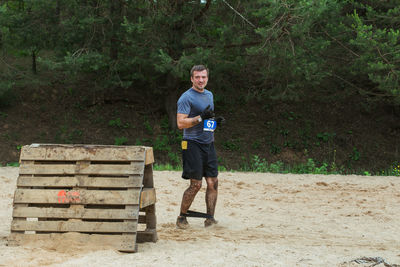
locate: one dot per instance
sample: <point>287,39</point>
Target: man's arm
<point>184,122</point>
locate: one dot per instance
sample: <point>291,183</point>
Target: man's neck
<point>198,90</point>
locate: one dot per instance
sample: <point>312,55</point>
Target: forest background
<point>304,85</point>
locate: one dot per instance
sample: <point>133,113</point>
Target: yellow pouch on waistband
<point>184,145</point>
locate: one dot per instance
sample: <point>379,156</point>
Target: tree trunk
<point>176,49</point>
<point>58,12</point>
<point>171,101</point>
<point>1,42</point>
<point>115,14</point>
<point>34,70</point>
<point>21,5</point>
<point>170,106</point>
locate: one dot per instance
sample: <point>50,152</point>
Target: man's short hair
<point>198,68</point>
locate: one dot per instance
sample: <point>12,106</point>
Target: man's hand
<point>207,113</point>
<point>220,121</point>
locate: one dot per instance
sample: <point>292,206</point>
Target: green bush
<point>119,141</point>
<point>162,143</point>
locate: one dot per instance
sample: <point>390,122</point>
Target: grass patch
<point>12,164</point>
<point>166,167</point>
<point>258,164</point>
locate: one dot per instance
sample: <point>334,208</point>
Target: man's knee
<point>195,185</point>
<point>212,183</point>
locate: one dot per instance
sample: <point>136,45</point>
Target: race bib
<point>209,125</point>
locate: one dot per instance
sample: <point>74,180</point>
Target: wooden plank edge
<point>79,152</point>
<point>128,226</point>
<point>68,213</point>
<point>149,158</point>
<point>80,196</point>
<point>123,243</point>
<point>135,168</point>
<point>149,235</point>
<point>132,181</point>
<point>147,197</point>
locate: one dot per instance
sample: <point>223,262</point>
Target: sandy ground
<point>264,220</point>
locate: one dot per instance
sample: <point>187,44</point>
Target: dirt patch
<point>351,134</point>
<point>263,220</point>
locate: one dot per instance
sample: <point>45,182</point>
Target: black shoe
<point>182,223</point>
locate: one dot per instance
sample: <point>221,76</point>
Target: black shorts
<point>199,160</point>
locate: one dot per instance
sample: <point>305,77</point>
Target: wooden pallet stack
<point>102,192</point>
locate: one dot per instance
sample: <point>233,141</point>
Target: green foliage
<point>65,135</point>
<point>166,167</point>
<point>256,144</point>
<point>222,168</point>
<point>161,143</point>
<point>12,164</point>
<point>394,170</point>
<point>284,132</point>
<point>148,127</point>
<point>119,141</point>
<point>325,137</point>
<point>311,167</point>
<point>86,62</point>
<point>175,158</point>
<point>377,42</point>
<point>288,31</point>
<point>275,149</point>
<point>258,164</point>
<point>277,167</point>
<point>117,123</point>
<point>289,49</point>
<point>355,155</point>
<point>232,145</point>
<point>138,142</point>
<point>28,26</point>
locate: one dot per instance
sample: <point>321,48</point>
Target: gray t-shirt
<point>193,103</point>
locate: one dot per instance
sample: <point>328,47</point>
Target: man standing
<point>195,109</point>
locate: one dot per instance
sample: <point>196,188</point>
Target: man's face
<point>199,80</point>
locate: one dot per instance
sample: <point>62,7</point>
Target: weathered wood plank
<point>100,182</point>
<point>147,197</point>
<point>75,226</point>
<point>67,213</point>
<point>126,242</point>
<point>151,220</point>
<point>83,197</point>
<point>142,219</point>
<point>149,156</point>
<point>148,176</point>
<point>69,166</point>
<point>149,235</point>
<point>95,169</point>
<point>56,152</point>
